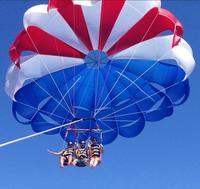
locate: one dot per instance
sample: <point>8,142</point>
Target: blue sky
<point>166,155</point>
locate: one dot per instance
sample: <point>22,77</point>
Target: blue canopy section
<point>120,94</point>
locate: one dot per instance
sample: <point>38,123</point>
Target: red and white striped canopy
<point>62,33</point>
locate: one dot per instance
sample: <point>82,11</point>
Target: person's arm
<point>55,153</point>
<point>101,148</point>
<point>89,150</point>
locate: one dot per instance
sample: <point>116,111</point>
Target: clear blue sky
<point>165,156</point>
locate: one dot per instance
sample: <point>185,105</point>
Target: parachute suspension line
<point>65,95</point>
<point>139,100</point>
<point>122,115</point>
<point>89,136</point>
<point>70,100</point>
<point>47,94</point>
<point>77,136</point>
<point>101,137</point>
<point>110,128</point>
<point>101,91</point>
<point>74,90</point>
<point>96,88</point>
<point>68,109</point>
<point>45,66</point>
<point>127,64</point>
<point>77,129</point>
<point>39,133</point>
<point>66,82</point>
<point>65,142</point>
<point>134,82</point>
<point>66,134</point>
<point>104,85</point>
<point>42,111</point>
<point>100,132</point>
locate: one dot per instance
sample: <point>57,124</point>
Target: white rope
<point>37,134</point>
<point>127,64</point>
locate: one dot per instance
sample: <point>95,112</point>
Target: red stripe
<point>37,40</point>
<point>153,23</point>
<point>173,24</point>
<point>54,4</point>
<point>109,15</point>
<point>73,15</point>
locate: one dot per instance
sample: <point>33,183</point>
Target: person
<point>66,155</point>
<point>95,150</point>
<point>81,154</point>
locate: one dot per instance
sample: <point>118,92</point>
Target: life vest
<point>96,150</point>
<point>68,152</point>
<point>81,153</point>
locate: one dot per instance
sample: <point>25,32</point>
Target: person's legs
<point>62,161</point>
<point>74,162</point>
<point>96,161</point>
<point>70,159</point>
<point>91,161</point>
<point>86,161</point>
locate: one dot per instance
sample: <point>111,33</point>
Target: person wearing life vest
<point>66,155</point>
<point>95,150</point>
<point>81,154</point>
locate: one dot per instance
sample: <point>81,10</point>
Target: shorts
<point>81,162</point>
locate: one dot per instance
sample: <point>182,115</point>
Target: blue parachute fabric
<point>122,95</point>
<point>179,93</point>
<point>141,94</point>
<point>30,96</point>
<point>39,123</point>
<point>152,71</point>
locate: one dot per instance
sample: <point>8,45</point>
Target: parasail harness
<point>77,131</point>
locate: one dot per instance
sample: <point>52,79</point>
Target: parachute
<point>114,64</point>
